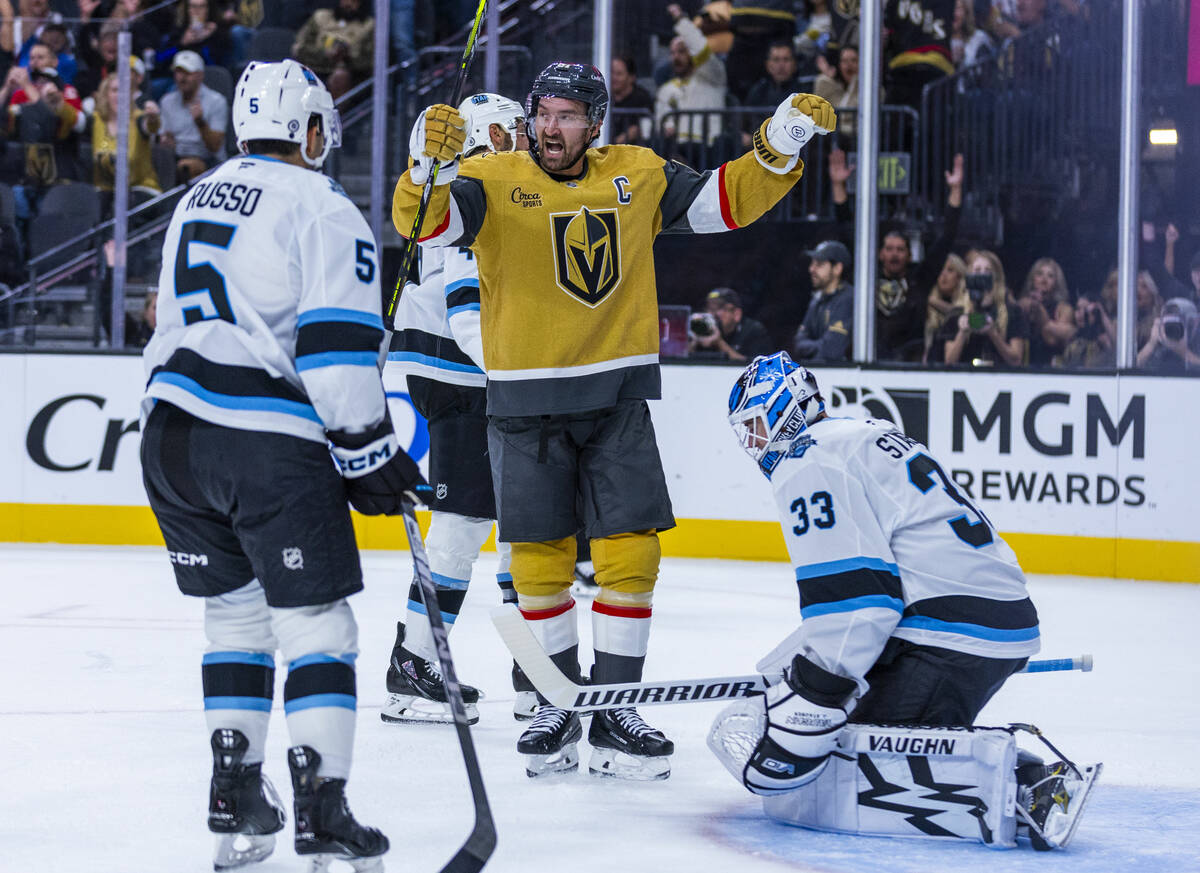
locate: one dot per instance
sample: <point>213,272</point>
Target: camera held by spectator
<point>978,286</point>
<point>702,325</point>
<point>1093,324</point>
<point>1174,326</point>
<point>723,332</point>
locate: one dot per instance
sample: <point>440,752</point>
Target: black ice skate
<point>243,808</point>
<point>549,742</point>
<point>625,747</point>
<point>526,703</point>
<point>325,828</point>
<point>416,695</point>
<point>1050,801</point>
<point>585,584</point>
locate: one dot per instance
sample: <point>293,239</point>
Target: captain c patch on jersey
<point>587,253</point>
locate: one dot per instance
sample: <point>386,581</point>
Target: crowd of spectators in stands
<point>947,305</point>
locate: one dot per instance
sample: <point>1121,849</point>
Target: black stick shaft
<point>481,842</point>
<point>410,247</point>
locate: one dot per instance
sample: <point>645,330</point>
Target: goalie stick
<point>565,694</point>
<point>410,247</point>
<point>481,842</point>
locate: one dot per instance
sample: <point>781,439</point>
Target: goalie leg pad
<point>955,783</point>
<point>914,782</point>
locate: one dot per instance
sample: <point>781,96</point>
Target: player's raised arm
<point>437,138</point>
<point>739,192</point>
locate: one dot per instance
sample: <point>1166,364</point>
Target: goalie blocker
<point>971,783</point>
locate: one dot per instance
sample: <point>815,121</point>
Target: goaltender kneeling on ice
<point>914,613</point>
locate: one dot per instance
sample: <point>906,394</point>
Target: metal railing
<point>1033,117</point>
<point>81,254</point>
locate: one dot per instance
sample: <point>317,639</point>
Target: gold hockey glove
<point>438,136</point>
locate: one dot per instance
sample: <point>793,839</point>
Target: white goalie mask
<point>482,111</point>
<point>275,102</point>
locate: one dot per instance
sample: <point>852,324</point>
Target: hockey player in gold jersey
<point>564,239</point>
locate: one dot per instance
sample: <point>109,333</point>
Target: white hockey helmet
<point>275,101</point>
<point>770,406</point>
<point>482,111</point>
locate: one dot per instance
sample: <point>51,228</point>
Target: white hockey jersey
<point>269,305</point>
<point>885,545</point>
<point>437,322</point>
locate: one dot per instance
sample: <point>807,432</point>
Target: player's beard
<point>561,161</point>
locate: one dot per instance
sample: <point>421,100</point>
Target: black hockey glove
<point>805,714</point>
<point>379,475</point>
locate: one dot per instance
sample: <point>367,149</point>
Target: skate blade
<point>237,850</point>
<point>1061,824</point>
<point>611,764</point>
<point>320,863</point>
<point>525,706</point>
<point>404,709</point>
<point>565,760</point>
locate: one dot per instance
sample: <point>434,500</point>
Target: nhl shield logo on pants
<point>587,253</point>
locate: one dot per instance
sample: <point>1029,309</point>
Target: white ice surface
<point>106,755</point>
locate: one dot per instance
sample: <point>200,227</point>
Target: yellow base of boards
<point>1160,560</point>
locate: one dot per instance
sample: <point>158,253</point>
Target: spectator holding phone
<point>991,328</point>
<point>949,291</point>
<point>1045,301</point>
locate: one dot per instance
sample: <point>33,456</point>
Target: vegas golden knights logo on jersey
<point>587,253</point>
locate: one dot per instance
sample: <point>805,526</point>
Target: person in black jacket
<point>825,333</point>
<point>735,337</point>
<point>900,287</point>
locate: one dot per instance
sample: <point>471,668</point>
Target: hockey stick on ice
<point>565,694</point>
<point>410,248</point>
<point>481,842</point>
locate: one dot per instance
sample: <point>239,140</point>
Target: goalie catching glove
<point>778,142</point>
<point>379,475</point>
<point>437,137</point>
<point>804,715</point>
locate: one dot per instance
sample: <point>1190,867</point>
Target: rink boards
<point>1084,475</point>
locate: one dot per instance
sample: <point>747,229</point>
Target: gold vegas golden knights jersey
<point>568,302</point>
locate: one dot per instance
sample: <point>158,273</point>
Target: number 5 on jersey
<point>203,276</point>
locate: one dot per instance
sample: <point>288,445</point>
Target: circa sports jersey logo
<point>525,199</point>
<point>587,253</point>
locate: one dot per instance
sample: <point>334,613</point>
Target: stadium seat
<point>72,199</point>
<point>8,206</point>
<point>220,80</point>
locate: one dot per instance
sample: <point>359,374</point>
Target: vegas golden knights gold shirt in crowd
<point>568,302</point>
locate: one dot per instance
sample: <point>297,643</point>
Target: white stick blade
<point>525,649</point>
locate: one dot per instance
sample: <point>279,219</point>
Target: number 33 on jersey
<point>881,537</point>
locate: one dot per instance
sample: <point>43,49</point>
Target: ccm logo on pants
<point>187,559</point>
